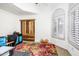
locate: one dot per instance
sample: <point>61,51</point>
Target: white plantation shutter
<point>74,17</point>
<point>75,27</point>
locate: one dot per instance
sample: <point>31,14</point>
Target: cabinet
<point>28,29</point>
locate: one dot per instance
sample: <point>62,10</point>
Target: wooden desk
<point>4,50</point>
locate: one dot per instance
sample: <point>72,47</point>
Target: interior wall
<point>8,23</point>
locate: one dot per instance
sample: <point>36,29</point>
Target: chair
<point>3,41</point>
<point>16,37</point>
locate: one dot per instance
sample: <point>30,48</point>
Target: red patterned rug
<point>37,49</point>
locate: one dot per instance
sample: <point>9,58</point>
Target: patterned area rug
<point>35,49</point>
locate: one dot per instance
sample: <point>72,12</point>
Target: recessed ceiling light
<point>36,3</point>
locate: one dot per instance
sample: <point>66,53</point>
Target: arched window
<point>58,23</point>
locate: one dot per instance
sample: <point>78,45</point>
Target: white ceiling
<point>26,8</point>
<point>14,9</point>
